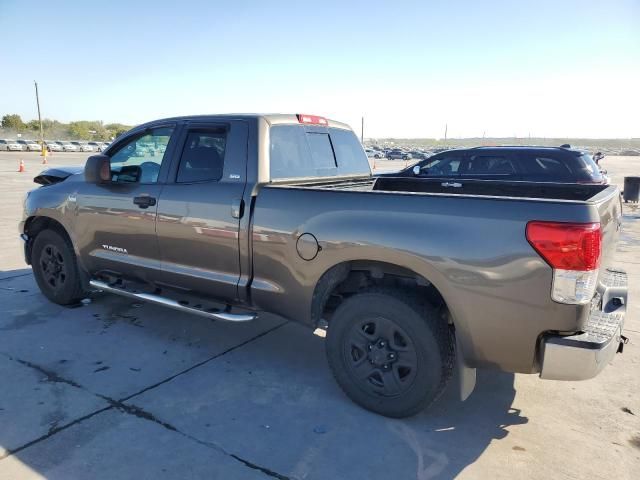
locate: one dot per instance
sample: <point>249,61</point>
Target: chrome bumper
<point>585,354</point>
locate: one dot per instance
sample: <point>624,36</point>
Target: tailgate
<point>609,206</point>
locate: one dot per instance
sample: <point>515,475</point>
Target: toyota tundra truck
<point>232,216</point>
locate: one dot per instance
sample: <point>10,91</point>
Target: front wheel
<point>390,353</point>
<point>55,268</point>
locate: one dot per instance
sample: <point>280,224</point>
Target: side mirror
<point>97,169</point>
<point>598,156</point>
<point>416,170</point>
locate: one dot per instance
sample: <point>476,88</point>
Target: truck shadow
<point>453,434</point>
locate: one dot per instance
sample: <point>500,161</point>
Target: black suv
<point>531,164</point>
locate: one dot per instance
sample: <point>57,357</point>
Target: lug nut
<point>392,356</point>
<point>382,344</point>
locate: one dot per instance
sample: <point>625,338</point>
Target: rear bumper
<point>583,355</point>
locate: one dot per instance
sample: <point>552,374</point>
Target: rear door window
<point>202,158</point>
<point>483,165</point>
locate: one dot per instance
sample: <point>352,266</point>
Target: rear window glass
<point>321,150</point>
<point>299,152</point>
<point>589,168</point>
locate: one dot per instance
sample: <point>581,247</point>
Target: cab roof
<point>270,118</point>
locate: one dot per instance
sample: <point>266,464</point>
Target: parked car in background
<point>104,146</point>
<point>418,155</point>
<point>29,145</point>
<point>531,164</point>
<point>10,146</point>
<point>83,146</point>
<point>374,153</point>
<point>96,146</point>
<point>397,154</point>
<point>53,146</point>
<point>69,147</point>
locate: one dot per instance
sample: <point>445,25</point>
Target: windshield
<point>299,151</point>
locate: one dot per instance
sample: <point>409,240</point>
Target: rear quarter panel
<point>473,250</point>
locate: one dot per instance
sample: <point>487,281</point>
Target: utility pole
<point>39,119</point>
<point>445,133</point>
<point>362,131</point>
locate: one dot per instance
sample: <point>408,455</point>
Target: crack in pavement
<point>131,409</point>
<point>193,367</point>
<point>52,432</point>
<point>15,276</point>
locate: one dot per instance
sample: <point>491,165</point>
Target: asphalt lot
<point>117,389</point>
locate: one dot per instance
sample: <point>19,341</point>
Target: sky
<point>495,68</point>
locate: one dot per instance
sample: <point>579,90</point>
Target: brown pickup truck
<point>227,216</point>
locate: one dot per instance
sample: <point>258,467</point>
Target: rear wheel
<point>390,353</point>
<point>55,268</point>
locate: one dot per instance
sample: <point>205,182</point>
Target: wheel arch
<point>353,276</point>
<point>37,224</point>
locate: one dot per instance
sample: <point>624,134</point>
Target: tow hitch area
<point>623,341</point>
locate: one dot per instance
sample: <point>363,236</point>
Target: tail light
<point>573,250</point>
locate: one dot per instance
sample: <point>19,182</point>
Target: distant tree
<point>116,129</point>
<point>33,125</point>
<point>79,130</point>
<point>13,122</point>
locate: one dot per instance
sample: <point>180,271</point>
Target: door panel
<point>115,234</point>
<point>116,220</point>
<point>200,208</point>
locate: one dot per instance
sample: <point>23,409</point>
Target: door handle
<point>144,201</point>
<point>237,208</point>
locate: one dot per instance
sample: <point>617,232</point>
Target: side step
<point>168,302</point>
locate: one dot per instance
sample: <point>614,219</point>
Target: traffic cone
<point>21,168</point>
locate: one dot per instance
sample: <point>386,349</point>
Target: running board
<point>168,302</point>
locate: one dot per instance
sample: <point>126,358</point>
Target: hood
<point>56,175</point>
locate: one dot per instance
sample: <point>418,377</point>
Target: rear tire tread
<point>441,331</point>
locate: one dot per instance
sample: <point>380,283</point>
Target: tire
<point>55,268</point>
<point>390,353</point>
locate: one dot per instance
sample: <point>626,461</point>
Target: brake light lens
<point>312,119</point>
<point>573,250</point>
<point>568,246</point>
